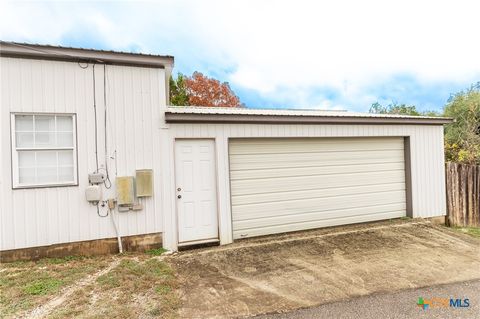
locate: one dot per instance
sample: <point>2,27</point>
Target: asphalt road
<point>402,304</point>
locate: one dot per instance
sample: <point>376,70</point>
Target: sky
<point>339,54</point>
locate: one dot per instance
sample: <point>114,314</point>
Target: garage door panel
<point>311,193</point>
<point>280,185</point>
<point>265,161</point>
<point>283,207</point>
<point>307,163</point>
<point>308,171</point>
<point>319,215</point>
<point>260,231</point>
<point>284,184</point>
<point>302,145</point>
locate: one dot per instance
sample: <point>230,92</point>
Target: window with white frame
<point>44,150</point>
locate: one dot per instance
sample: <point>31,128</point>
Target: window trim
<point>14,153</point>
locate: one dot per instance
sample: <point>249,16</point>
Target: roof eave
<point>172,117</point>
<point>8,49</point>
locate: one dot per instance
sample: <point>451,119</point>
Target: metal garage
<point>279,171</point>
<point>288,184</point>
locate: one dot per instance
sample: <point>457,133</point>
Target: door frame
<point>208,240</point>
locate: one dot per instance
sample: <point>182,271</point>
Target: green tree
<point>394,108</point>
<point>432,113</point>
<point>402,109</point>
<point>462,137</point>
<point>377,108</point>
<point>178,91</point>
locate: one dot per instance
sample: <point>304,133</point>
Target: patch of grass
<point>108,280</point>
<point>81,298</point>
<point>140,286</point>
<point>14,264</point>
<point>156,252</point>
<point>26,284</point>
<point>61,260</point>
<point>137,287</point>
<point>472,231</point>
<point>42,286</point>
<point>155,312</point>
<point>163,289</point>
<point>136,276</point>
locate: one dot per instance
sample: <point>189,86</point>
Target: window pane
<point>46,175</point>
<point>24,123</point>
<point>65,139</point>
<point>45,139</point>
<point>65,174</point>
<point>65,158</point>
<point>46,159</point>
<point>24,139</point>
<point>26,159</point>
<point>64,123</point>
<point>26,175</point>
<point>44,123</point>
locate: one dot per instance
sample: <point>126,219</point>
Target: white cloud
<point>279,48</point>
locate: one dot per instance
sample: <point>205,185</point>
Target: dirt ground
<point>250,277</point>
<point>276,274</point>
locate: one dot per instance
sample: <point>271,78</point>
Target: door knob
<point>179,189</point>
<point>179,196</point>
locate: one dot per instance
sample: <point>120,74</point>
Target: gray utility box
<point>96,178</point>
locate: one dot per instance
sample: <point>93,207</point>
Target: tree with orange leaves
<point>200,90</point>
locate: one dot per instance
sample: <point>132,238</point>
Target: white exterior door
<point>289,184</point>
<point>196,191</point>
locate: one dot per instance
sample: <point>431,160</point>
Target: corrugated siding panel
<point>284,184</point>
<point>135,96</point>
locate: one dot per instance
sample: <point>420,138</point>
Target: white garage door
<point>280,185</point>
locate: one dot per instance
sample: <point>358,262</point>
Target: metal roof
<point>249,115</point>
<point>51,52</point>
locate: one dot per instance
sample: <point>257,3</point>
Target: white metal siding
<point>44,216</point>
<point>280,185</point>
<point>137,131</point>
<point>427,162</point>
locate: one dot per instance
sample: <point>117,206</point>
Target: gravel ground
<point>395,305</point>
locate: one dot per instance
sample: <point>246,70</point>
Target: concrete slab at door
<point>196,191</point>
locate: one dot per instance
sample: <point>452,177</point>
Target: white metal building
<point>218,174</point>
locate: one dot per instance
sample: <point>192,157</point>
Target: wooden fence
<point>463,194</point>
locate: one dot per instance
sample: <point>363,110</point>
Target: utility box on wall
<point>125,190</point>
<point>144,182</point>
<point>93,193</point>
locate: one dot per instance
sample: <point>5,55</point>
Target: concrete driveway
<point>395,305</point>
<point>286,272</point>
